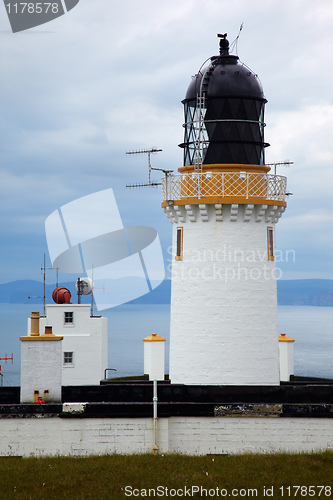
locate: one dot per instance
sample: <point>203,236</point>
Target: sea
<point>310,326</point>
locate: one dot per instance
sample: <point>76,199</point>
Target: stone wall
<point>189,435</point>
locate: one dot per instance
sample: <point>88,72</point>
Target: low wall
<point>188,435</point>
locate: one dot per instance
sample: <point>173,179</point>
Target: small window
<point>68,358</point>
<point>179,243</point>
<point>69,317</point>
<point>270,243</point>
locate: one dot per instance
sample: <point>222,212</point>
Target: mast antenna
<point>150,183</point>
<point>234,44</point>
<point>42,270</point>
<point>285,163</point>
<point>1,374</point>
<point>275,164</point>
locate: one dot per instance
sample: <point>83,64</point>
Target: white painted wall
<point>154,359</point>
<point>190,435</point>
<point>286,353</point>
<point>224,326</point>
<point>243,434</point>
<point>41,370</point>
<point>86,338</point>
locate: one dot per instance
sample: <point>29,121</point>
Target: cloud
<point>107,77</point>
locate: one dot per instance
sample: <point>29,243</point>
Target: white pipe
<point>155,447</point>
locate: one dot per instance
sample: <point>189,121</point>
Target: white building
<point>224,205</point>
<point>40,364</point>
<point>84,344</point>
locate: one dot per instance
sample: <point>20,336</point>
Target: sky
<point>108,77</point>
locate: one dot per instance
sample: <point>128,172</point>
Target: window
<point>179,244</point>
<point>69,317</point>
<point>68,358</point>
<point>270,243</point>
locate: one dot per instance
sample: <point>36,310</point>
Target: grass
<point>106,477</point>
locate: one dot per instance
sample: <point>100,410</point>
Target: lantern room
<point>224,113</point>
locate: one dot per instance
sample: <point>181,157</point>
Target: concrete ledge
<point>136,410</point>
<point>304,392</point>
<point>30,410</point>
<point>308,410</point>
<point>248,410</point>
<point>310,393</point>
<point>74,408</point>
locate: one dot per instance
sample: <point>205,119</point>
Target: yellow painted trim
<point>270,256</point>
<point>284,338</point>
<point>226,167</point>
<point>154,338</point>
<point>42,337</point>
<point>228,200</point>
<point>179,256</point>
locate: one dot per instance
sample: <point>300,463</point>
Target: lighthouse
<point>224,204</point>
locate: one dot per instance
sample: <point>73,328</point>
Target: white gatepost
<point>286,354</point>
<point>154,357</point>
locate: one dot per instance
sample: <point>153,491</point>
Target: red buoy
<point>61,295</point>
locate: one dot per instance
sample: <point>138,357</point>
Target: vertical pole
<point>149,167</point>
<point>155,447</point>
<point>79,291</point>
<point>44,297</point>
<point>168,181</point>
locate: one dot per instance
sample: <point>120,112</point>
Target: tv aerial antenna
<point>150,168</point>
<point>6,358</point>
<point>285,163</point>
<point>149,152</point>
<point>275,164</point>
<point>43,270</point>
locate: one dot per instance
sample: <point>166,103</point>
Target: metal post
<point>168,181</point>
<point>155,447</point>
<point>149,167</point>
<point>44,277</point>
<point>79,291</point>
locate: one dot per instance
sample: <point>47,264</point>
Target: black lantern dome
<point>224,113</point>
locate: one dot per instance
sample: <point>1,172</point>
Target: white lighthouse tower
<point>224,205</point>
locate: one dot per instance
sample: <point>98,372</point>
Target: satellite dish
<point>84,286</point>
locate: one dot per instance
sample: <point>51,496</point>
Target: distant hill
<point>18,292</point>
<point>314,292</point>
<point>305,292</point>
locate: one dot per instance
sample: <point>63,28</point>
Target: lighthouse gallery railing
<point>224,185</point>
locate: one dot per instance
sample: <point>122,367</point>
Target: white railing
<point>224,185</point>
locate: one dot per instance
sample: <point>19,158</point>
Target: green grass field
<point>170,476</point>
